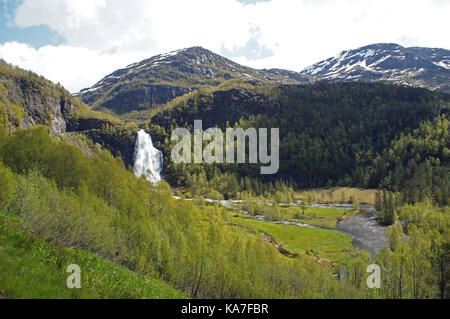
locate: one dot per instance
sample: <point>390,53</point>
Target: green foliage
<point>10,112</point>
<point>94,203</point>
<point>324,244</point>
<point>331,134</point>
<point>417,164</point>
<point>321,217</point>
<point>416,261</point>
<point>83,111</point>
<point>354,267</point>
<point>31,81</point>
<point>204,179</point>
<point>386,206</point>
<point>33,268</point>
<point>6,186</point>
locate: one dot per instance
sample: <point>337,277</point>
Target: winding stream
<point>362,228</point>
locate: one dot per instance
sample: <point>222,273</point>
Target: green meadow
<point>321,217</point>
<point>317,242</point>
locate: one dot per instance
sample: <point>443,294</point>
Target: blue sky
<point>78,42</point>
<point>35,36</point>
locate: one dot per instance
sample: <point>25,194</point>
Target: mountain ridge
<point>388,62</point>
<point>153,82</point>
<point>159,79</point>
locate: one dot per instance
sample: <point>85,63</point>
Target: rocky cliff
<point>27,99</point>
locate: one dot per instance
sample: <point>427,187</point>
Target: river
<point>363,227</point>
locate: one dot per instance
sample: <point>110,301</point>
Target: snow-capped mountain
<point>157,80</point>
<point>416,66</point>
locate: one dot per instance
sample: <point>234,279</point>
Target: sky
<point>78,42</point>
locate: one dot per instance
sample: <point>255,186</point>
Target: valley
<point>363,178</point>
<point>308,228</point>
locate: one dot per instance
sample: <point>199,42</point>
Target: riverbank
<point>362,227</point>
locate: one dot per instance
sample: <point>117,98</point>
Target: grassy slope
<point>327,244</point>
<point>32,268</point>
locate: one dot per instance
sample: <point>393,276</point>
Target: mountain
<point>388,62</point>
<point>159,79</point>
<point>153,82</point>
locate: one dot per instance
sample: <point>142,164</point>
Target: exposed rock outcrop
<point>40,104</point>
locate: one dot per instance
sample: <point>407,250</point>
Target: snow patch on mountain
<point>422,67</point>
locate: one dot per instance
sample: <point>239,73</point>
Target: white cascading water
<point>148,160</point>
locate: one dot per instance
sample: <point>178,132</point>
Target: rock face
<point>388,62</point>
<point>39,107</point>
<point>157,80</point>
<point>126,97</point>
<point>27,99</point>
<point>119,141</point>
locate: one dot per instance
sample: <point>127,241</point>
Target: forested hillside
<point>94,203</point>
<point>356,134</point>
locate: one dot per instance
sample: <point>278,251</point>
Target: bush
<point>6,186</point>
<point>213,194</point>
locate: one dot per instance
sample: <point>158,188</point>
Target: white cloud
<point>95,24</point>
<point>252,50</point>
<point>74,67</point>
<point>103,35</point>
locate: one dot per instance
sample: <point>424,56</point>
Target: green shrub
<point>6,186</point>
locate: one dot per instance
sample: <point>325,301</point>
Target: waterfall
<point>148,160</point>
